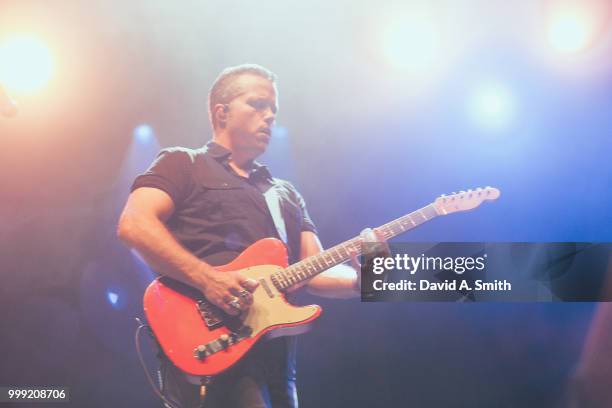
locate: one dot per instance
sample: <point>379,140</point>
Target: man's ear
<point>220,113</point>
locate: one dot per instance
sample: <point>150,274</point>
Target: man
<point>197,209</point>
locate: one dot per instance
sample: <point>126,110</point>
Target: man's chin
<point>263,143</point>
<point>258,148</point>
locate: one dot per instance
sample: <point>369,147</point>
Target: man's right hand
<point>229,290</point>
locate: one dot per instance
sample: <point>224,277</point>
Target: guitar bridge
<point>211,314</point>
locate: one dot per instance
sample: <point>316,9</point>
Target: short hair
<point>223,90</point>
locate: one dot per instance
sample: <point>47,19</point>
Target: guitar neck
<point>314,265</point>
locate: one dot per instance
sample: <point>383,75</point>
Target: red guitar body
<point>200,339</point>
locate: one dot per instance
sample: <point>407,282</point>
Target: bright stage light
<point>144,134</point>
<point>112,298</point>
<point>26,64</point>
<point>413,43</point>
<point>570,31</point>
<point>492,106</point>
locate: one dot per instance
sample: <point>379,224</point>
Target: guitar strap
<point>273,201</point>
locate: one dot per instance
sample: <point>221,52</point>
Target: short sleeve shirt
<point>219,213</point>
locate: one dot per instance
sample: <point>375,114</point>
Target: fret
<point>328,262</point>
<point>315,265</point>
<point>298,273</point>
<point>432,210</point>
<point>311,269</point>
<point>320,262</point>
<point>396,229</point>
<point>284,277</point>
<point>344,252</point>
<point>356,247</point>
<point>288,279</point>
<point>282,281</point>
<point>333,252</point>
<point>292,279</point>
<point>324,260</point>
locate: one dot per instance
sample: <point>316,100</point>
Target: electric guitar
<point>202,340</point>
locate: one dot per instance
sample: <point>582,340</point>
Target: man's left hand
<point>369,235</point>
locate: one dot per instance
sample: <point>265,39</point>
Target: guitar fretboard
<point>314,265</point>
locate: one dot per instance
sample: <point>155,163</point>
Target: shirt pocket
<point>222,201</point>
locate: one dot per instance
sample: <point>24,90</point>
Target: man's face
<point>250,116</point>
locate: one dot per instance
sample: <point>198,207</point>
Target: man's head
<point>242,107</point>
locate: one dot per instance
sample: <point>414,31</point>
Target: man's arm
<point>141,226</point>
<point>341,281</point>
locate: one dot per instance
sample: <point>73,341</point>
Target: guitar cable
<point>156,390</point>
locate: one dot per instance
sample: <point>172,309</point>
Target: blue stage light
<point>279,132</point>
<point>492,106</point>
<point>144,134</point>
<point>113,298</point>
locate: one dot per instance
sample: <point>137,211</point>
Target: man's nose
<point>269,117</point>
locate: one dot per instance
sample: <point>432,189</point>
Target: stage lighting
<point>570,31</point>
<point>279,132</point>
<point>492,106</point>
<point>144,134</point>
<point>413,43</point>
<point>112,298</point>
<point>26,64</point>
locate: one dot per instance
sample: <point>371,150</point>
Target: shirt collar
<point>223,155</point>
<point>217,151</point>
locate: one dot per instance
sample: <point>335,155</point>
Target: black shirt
<point>218,213</point>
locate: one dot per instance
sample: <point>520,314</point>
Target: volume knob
<point>200,352</point>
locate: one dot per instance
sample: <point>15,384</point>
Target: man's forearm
<point>337,282</point>
<point>162,252</point>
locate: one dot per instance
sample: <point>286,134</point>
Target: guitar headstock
<point>464,200</point>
